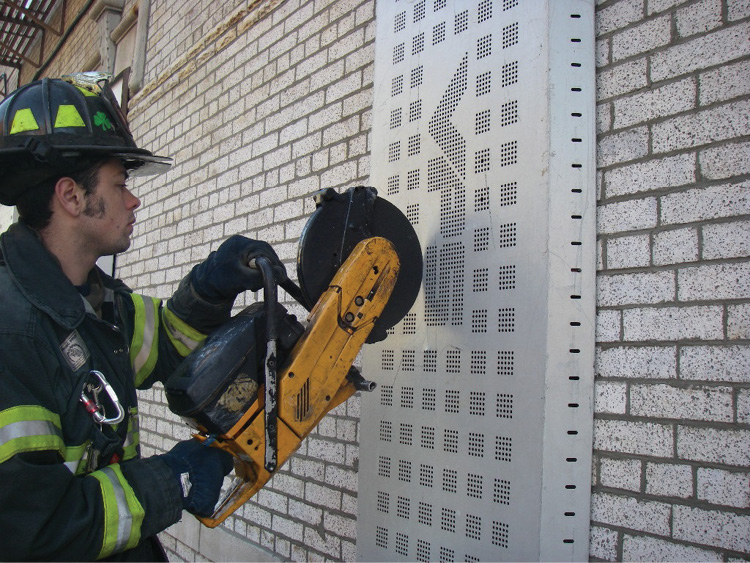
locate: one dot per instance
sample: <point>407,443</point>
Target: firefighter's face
<point>110,210</point>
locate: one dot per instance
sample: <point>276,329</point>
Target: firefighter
<point>75,344</point>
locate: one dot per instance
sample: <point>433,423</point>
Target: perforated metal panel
<point>476,443</point>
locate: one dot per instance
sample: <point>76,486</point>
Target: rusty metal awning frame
<point>21,23</point>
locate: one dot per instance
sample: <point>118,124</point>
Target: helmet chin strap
<point>45,153</point>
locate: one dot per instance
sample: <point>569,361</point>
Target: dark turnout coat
<point>73,489</point>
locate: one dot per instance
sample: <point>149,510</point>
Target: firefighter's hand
<point>200,472</point>
<point>227,271</point>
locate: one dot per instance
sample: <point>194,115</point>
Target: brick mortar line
<point>638,533</point>
<point>674,227</point>
<point>675,39</point>
<point>686,384</point>
<point>603,135</point>
<point>671,501</point>
<point>304,523</point>
<point>680,265</point>
<point>676,423</point>
<point>660,192</point>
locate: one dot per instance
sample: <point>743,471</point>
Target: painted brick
<point>657,6</point>
<point>721,487</point>
<point>642,38</point>
<point>714,281</point>
<point>621,79</point>
<point>669,480</point>
<point>737,9</point>
<point>322,496</point>
<point>628,252</point>
<point>725,161</point>
<point>722,46</point>
<point>618,15</point>
<point>712,528</point>
<point>622,147</point>
<point>646,548</point>
<point>630,513</point>
<point>701,204</point>
<point>608,326</point>
<point>603,118</point>
<point>714,445</point>
<point>272,500</point>
<point>641,288</point>
<point>655,174</point>
<point>620,473</point>
<point>738,321</point>
<point>610,398</point>
<point>699,18</point>
<point>603,543</point>
<point>625,216</point>
<point>701,128</point>
<point>656,103</point>
<point>743,406</point>
<point>322,542</point>
<point>341,478</point>
<point>653,362</point>
<point>637,438</point>
<point>726,240</point>
<point>288,528</point>
<point>673,323</point>
<point>340,525</point>
<point>676,246</point>
<point>716,363</point>
<point>688,403</point>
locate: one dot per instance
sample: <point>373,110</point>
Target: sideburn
<point>95,207</point>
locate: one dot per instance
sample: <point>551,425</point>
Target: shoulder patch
<point>74,350</point>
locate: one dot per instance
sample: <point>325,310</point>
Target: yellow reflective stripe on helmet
<point>182,336</point>
<point>123,514</point>
<point>68,116</point>
<point>23,121</point>
<point>29,428</point>
<point>145,344</point>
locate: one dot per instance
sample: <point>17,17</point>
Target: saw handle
<point>288,285</point>
<point>271,411</point>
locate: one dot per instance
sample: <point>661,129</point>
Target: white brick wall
<point>271,104</point>
<point>261,103</point>
<point>672,408</point>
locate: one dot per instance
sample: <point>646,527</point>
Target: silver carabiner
<point>95,409</point>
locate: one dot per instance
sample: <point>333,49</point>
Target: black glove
<point>200,471</point>
<point>225,273</point>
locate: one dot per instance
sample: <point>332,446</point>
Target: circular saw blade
<point>335,228</point>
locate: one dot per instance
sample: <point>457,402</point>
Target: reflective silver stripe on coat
<point>125,518</point>
<point>27,429</point>
<point>149,330</point>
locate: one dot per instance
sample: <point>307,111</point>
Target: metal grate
<point>464,434</point>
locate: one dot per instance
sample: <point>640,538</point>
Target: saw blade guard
<point>339,223</point>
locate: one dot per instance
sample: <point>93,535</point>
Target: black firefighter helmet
<point>59,126</point>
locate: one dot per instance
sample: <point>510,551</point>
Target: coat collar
<point>38,276</point>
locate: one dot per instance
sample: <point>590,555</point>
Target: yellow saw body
<point>313,378</point>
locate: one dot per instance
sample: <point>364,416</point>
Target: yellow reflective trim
<point>144,348</point>
<point>68,116</point>
<point>123,513</point>
<point>182,336</point>
<point>23,121</point>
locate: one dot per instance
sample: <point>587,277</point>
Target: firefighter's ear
<point>69,196</point>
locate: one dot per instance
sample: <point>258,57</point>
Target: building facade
<point>263,102</point>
